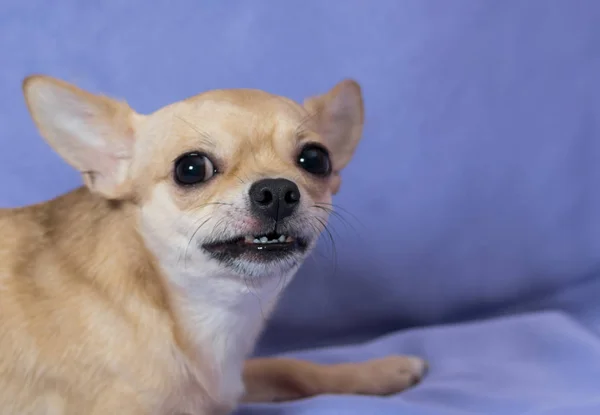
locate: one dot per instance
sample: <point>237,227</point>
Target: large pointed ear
<point>92,133</point>
<point>339,117</point>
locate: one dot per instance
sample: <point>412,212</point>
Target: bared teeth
<point>265,240</point>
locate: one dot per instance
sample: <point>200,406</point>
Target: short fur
<point>109,304</point>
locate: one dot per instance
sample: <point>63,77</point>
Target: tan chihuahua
<point>144,291</point>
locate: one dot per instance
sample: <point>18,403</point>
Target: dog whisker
<point>195,128</point>
<point>331,239</point>
<point>184,252</point>
<point>191,239</point>
<point>301,128</point>
<point>338,208</point>
<point>240,179</point>
<point>339,216</point>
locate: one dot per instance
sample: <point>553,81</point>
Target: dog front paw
<point>385,376</point>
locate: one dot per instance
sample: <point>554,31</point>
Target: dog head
<point>234,183</point>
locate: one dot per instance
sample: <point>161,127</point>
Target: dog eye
<point>193,168</point>
<point>315,159</point>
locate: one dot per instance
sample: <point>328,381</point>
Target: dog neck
<point>215,317</point>
<point>96,241</point>
<point>223,319</point>
<point>221,312</point>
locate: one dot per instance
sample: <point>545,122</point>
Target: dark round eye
<point>193,168</point>
<point>315,159</point>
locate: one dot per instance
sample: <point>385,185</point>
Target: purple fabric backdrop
<point>475,193</point>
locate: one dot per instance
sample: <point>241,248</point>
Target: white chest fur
<point>224,319</point>
<point>222,313</point>
<point>223,316</point>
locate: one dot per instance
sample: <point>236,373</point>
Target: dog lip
<point>258,242</point>
<point>254,248</point>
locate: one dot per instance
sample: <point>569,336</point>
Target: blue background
<point>475,194</point>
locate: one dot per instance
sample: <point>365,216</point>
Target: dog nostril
<point>292,197</point>
<point>264,197</point>
<point>274,199</point>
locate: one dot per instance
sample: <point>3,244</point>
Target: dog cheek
<point>160,217</point>
<point>335,183</point>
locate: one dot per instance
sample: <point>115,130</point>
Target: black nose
<point>274,198</point>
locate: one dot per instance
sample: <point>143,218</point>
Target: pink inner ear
<point>345,107</point>
<point>347,96</point>
<point>92,133</point>
<point>341,104</point>
<point>341,124</point>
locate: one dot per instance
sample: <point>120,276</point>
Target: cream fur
<point>108,303</point>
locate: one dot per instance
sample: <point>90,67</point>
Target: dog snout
<point>274,199</point>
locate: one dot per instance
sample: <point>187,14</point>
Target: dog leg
<point>275,379</point>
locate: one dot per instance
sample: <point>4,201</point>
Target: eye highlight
<point>314,159</point>
<point>193,168</point>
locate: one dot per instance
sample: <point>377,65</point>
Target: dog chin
<point>262,272</point>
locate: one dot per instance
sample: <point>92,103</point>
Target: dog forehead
<point>225,120</point>
<point>243,98</point>
<point>244,113</point>
<point>241,108</point>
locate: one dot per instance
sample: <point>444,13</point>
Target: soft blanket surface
<point>472,208</point>
<point>538,364</point>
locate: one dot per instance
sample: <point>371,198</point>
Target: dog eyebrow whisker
<point>302,128</point>
<point>206,137</point>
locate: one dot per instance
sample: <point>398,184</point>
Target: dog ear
<point>339,116</point>
<point>94,134</point>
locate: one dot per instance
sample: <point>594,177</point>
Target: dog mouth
<point>258,248</point>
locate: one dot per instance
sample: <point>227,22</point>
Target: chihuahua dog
<point>144,291</point>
